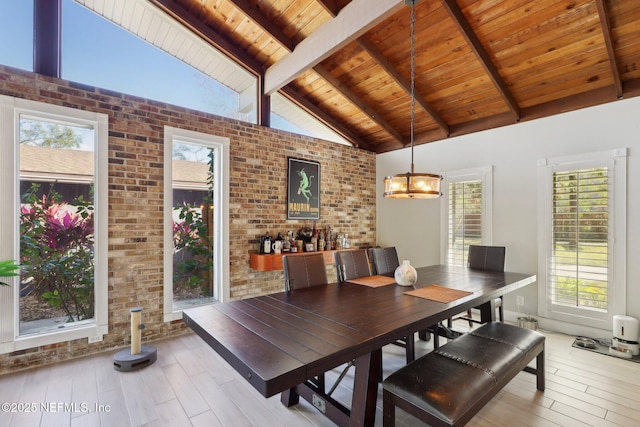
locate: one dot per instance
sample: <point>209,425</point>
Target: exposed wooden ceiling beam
<point>357,101</point>
<point>211,36</point>
<point>547,109</point>
<point>631,88</point>
<point>583,100</point>
<point>261,20</point>
<point>375,53</point>
<point>474,43</point>
<point>354,20</point>
<point>312,109</point>
<point>606,32</point>
<point>330,6</point>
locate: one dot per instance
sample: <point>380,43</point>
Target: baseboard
<point>560,327</point>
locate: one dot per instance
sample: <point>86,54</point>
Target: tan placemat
<point>373,281</point>
<point>438,293</point>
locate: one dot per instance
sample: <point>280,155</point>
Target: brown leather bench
<point>448,386</point>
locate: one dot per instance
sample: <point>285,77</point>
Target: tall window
<point>196,174</point>
<point>580,214</point>
<point>59,231</point>
<point>467,219</point>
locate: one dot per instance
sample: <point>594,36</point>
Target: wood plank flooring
<point>190,385</point>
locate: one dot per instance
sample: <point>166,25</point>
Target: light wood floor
<point>190,385</point>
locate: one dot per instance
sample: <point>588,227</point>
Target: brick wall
<point>257,201</point>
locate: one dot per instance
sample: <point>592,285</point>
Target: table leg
<point>289,397</point>
<point>365,389</point>
<point>488,311</point>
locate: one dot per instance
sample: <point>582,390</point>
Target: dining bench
<point>448,386</point>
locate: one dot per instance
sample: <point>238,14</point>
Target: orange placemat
<point>438,293</point>
<point>373,281</point>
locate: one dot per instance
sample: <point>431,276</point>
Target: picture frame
<point>303,189</point>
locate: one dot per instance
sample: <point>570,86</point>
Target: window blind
<point>465,219</point>
<point>580,238</point>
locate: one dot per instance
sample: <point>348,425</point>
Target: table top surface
<point>278,341</point>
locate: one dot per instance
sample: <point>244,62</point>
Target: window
<point>466,213</point>
<point>582,210</point>
<point>54,169</point>
<point>196,190</point>
<point>16,33</point>
<point>152,52</point>
<point>286,115</point>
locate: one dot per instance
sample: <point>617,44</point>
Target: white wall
<point>513,151</point>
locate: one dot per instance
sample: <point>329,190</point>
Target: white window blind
<point>464,219</point>
<point>582,237</point>
<point>578,268</point>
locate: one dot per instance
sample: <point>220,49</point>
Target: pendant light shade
<point>412,185</point>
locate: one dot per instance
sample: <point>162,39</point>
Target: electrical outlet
<point>520,300</point>
<point>96,338</point>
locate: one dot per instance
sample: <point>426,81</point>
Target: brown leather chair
<point>487,258</point>
<point>352,264</point>
<point>304,270</point>
<point>384,260</point>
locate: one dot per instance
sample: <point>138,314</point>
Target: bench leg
<point>540,378</point>
<point>538,371</point>
<point>388,410</point>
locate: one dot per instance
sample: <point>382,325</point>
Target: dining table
<point>280,342</point>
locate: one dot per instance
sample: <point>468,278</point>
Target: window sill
<point>92,332</point>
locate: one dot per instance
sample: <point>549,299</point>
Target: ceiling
<point>479,64</point>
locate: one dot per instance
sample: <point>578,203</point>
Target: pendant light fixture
<point>412,185</point>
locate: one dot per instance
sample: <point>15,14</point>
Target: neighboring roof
<point>69,165</point>
<point>190,175</point>
<point>479,64</point>
<point>56,164</point>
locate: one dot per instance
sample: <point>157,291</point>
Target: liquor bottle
<point>266,244</point>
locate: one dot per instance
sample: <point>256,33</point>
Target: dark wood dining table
<point>280,341</point>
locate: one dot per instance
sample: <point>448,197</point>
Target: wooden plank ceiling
<point>480,64</point>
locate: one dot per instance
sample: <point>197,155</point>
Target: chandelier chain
<point>413,79</point>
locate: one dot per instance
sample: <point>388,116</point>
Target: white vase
<point>405,274</point>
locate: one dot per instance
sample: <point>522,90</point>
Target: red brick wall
<point>257,201</point>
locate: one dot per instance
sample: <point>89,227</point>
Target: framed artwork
<point>303,189</point>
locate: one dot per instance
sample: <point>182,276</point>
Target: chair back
<point>384,260</point>
<point>488,258</point>
<point>304,270</point>
<point>352,264</point>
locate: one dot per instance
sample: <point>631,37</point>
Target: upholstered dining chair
<point>304,270</point>
<point>384,260</point>
<point>487,258</point>
<point>352,264</point>
<point>379,261</point>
